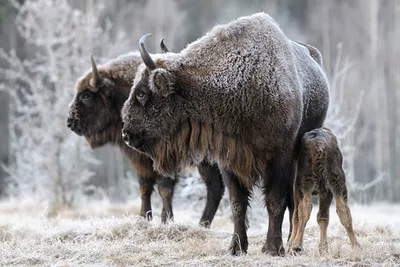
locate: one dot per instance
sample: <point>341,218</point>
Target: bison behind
<point>95,114</point>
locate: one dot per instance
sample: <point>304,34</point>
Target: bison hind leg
<point>276,190</point>
<point>239,198</point>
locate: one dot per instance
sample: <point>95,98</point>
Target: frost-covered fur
<point>120,70</point>
<point>314,53</point>
<point>98,119</point>
<point>240,96</point>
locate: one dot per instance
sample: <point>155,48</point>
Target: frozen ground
<point>105,234</point>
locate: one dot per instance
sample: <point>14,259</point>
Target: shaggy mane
<point>195,141</point>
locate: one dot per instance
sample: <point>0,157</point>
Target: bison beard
<point>241,96</point>
<point>194,140</point>
<point>100,124</point>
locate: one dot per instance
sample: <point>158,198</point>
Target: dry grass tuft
<point>96,235</point>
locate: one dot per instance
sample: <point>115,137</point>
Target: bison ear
<point>107,87</point>
<point>161,82</point>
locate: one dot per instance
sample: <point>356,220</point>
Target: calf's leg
<point>343,211</point>
<point>295,221</point>
<point>304,210</point>
<point>325,200</point>
<point>338,186</point>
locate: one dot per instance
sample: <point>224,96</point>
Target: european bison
<point>95,114</point>
<point>320,173</point>
<point>240,96</point>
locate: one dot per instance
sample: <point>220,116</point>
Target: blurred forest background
<point>46,46</point>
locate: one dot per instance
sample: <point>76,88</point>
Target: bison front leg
<point>239,198</point>
<point>166,190</point>
<point>276,191</point>
<point>215,190</point>
<point>146,185</point>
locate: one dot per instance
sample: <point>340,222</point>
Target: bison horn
<point>95,71</point>
<point>145,55</point>
<point>164,48</point>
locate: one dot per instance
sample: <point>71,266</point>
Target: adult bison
<point>241,96</point>
<point>95,114</point>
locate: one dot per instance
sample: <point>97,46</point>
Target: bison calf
<point>320,173</point>
<point>95,114</point>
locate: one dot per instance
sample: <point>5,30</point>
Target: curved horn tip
<point>148,61</point>
<point>144,37</point>
<point>163,46</point>
<point>95,71</point>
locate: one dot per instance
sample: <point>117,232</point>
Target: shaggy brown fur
<point>95,114</point>
<point>201,139</point>
<point>320,173</point>
<point>240,96</point>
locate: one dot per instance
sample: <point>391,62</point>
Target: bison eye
<point>87,99</point>
<point>141,97</point>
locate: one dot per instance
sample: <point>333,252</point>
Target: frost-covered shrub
<point>48,162</point>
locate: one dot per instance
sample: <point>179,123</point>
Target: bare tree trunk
<point>326,37</point>
<point>4,142</point>
<point>389,74</point>
<point>373,34</point>
<point>396,80</point>
<point>58,197</point>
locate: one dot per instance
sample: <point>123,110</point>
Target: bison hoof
<point>237,246</point>
<point>205,224</point>
<point>147,215</point>
<point>273,249</point>
<point>295,248</point>
<point>166,219</point>
<point>323,248</point>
